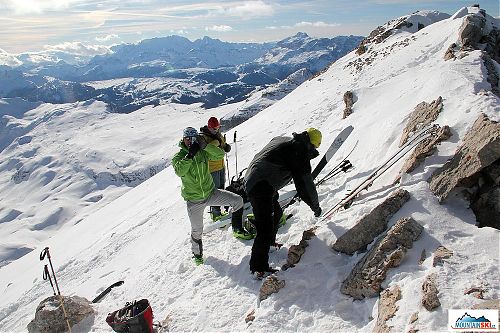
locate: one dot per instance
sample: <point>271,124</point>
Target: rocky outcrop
<point>366,277</point>
<point>430,300</point>
<point>485,202</point>
<point>295,252</point>
<point>423,114</point>
<point>440,255</point>
<point>492,304</point>
<point>475,166</point>
<point>349,102</point>
<point>270,286</point>
<point>49,317</point>
<point>387,308</point>
<point>471,30</point>
<point>372,224</point>
<point>450,52</point>
<point>423,150</point>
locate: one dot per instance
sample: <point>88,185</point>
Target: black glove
<point>193,149</point>
<point>227,148</point>
<point>200,139</point>
<point>317,211</point>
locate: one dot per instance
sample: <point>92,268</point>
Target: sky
<point>89,26</point>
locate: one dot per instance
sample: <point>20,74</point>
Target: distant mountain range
<point>169,69</point>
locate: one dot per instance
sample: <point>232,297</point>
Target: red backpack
<point>135,317</point>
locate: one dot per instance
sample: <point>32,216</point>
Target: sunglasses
<point>190,139</point>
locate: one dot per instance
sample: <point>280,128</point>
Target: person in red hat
<point>211,133</point>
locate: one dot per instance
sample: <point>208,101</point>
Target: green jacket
<point>197,183</point>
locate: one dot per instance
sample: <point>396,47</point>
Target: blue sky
<point>88,25</point>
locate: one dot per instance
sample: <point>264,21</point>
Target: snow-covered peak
<point>7,59</point>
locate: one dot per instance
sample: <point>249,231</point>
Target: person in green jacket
<point>198,189</point>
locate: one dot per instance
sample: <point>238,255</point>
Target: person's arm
<point>181,163</point>
<point>214,153</point>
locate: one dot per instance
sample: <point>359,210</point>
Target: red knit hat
<point>213,123</point>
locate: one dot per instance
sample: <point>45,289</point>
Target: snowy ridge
<point>143,236</point>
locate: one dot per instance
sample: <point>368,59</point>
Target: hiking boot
<point>243,234</point>
<point>282,221</point>
<point>260,275</point>
<point>217,217</point>
<point>198,259</point>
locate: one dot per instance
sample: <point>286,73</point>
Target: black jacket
<point>282,160</point>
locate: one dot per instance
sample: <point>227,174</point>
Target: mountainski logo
<point>473,320</point>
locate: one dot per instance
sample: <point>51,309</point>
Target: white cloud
<point>219,28</point>
<point>107,38</point>
<point>179,32</point>
<point>304,24</point>
<point>21,7</point>
<point>78,48</point>
<point>318,24</point>
<point>250,9</point>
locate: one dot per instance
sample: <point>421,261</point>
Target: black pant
<point>267,212</point>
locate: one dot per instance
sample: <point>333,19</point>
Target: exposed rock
<point>440,255</point>
<point>490,304</point>
<point>387,308</point>
<point>250,316</point>
<point>49,315</point>
<point>424,149</point>
<point>493,76</point>
<point>471,31</point>
<point>480,149</point>
<point>270,286</point>
<point>349,102</point>
<point>450,52</point>
<point>422,115</point>
<point>367,276</point>
<point>487,208</point>
<point>413,318</point>
<point>423,255</point>
<point>430,300</point>
<point>477,292</point>
<point>372,224</point>
<point>295,252</point>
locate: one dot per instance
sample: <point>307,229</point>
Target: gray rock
<point>491,304</point>
<point>441,255</point>
<point>270,286</point>
<point>423,150</point>
<point>295,252</point>
<point>49,317</point>
<point>450,52</point>
<point>480,148</point>
<point>423,114</point>
<point>487,208</point>
<point>472,30</point>
<point>430,300</point>
<point>372,224</point>
<point>366,277</point>
<point>387,308</point>
<point>349,102</point>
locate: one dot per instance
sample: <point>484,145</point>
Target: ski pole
<point>46,276</point>
<point>235,151</point>
<point>227,162</point>
<point>44,253</point>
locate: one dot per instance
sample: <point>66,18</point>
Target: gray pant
<point>195,211</point>
<point>219,178</point>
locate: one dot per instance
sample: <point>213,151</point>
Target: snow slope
<point>61,162</point>
<point>143,236</point>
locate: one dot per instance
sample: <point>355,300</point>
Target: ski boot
<point>243,234</point>
<point>198,259</point>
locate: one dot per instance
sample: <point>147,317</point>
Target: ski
<point>106,291</point>
<point>337,142</point>
<point>368,181</point>
<point>287,198</point>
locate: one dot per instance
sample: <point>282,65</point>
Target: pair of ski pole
<point>235,155</point>
<point>46,276</point>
